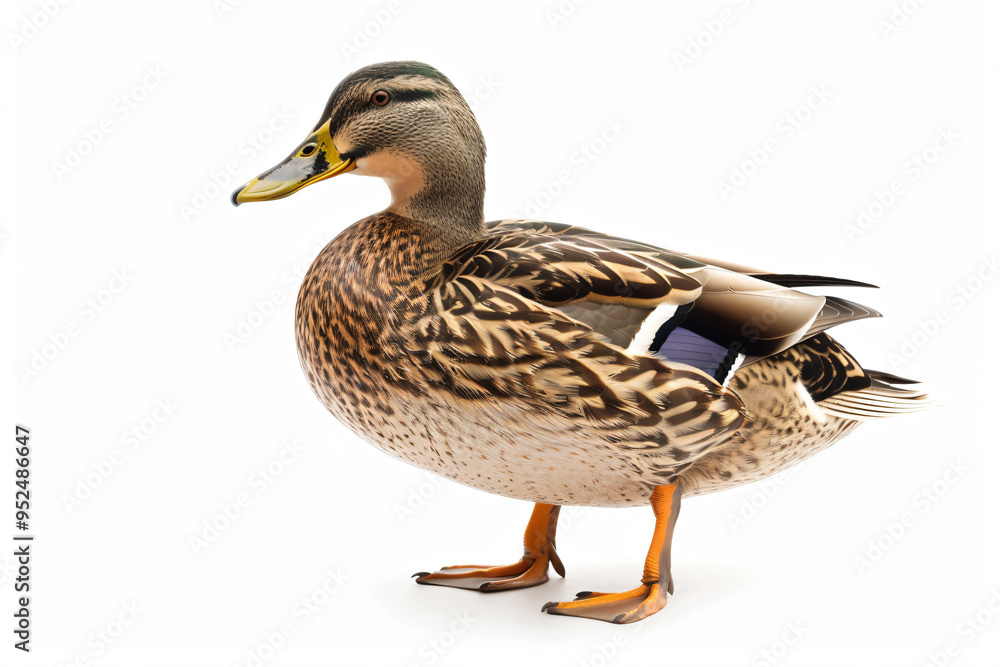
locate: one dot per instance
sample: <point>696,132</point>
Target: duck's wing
<point>502,351</point>
<point>711,315</point>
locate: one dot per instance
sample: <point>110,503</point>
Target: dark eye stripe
<point>413,94</point>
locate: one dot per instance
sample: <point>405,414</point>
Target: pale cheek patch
<point>403,174</point>
<point>392,167</point>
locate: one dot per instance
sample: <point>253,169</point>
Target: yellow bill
<point>316,159</point>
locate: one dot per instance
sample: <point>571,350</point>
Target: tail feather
<point>878,401</point>
<point>882,377</point>
<point>800,280</point>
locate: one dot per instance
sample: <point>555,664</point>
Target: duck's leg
<point>531,570</point>
<point>651,595</point>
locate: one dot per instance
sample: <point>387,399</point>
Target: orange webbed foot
<point>627,607</point>
<point>531,570</point>
<point>522,574</point>
<point>651,595</point>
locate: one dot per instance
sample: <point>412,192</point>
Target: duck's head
<point>404,122</point>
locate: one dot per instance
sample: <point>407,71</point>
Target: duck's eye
<point>308,150</point>
<point>380,98</point>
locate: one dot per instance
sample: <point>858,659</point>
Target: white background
<point>543,88</point>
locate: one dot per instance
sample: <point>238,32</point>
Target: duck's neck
<point>445,193</point>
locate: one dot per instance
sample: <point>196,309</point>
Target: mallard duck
<point>547,362</point>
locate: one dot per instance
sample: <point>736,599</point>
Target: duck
<point>548,362</point>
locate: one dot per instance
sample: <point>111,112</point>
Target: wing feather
<point>489,342</point>
<point>753,313</point>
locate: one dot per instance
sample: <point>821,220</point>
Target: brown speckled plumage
<point>474,381</point>
<point>461,368</point>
